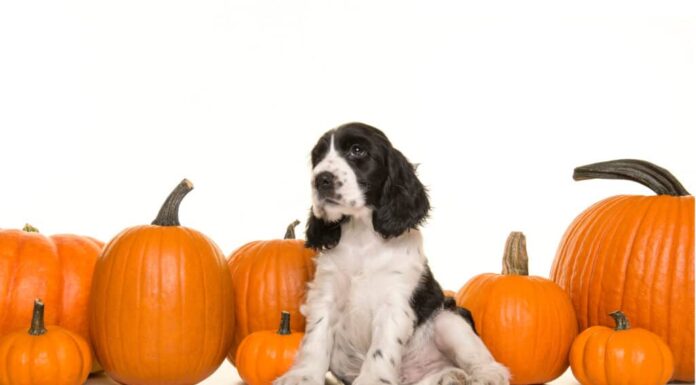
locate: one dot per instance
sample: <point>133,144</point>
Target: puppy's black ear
<point>404,203</point>
<point>320,235</point>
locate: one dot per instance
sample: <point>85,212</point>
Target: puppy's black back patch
<point>427,297</point>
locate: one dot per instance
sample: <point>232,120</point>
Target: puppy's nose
<point>324,182</point>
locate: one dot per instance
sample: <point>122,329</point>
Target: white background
<point>106,106</point>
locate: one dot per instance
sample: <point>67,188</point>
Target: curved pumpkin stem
<point>515,260</point>
<point>284,328</point>
<point>29,228</point>
<point>169,213</point>
<point>656,178</point>
<point>37,321</point>
<point>290,232</point>
<point>620,319</point>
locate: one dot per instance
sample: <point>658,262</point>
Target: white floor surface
<point>227,375</point>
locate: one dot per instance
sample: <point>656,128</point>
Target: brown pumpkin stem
<point>29,228</point>
<point>169,213</point>
<point>620,319</point>
<point>656,178</point>
<point>290,232</point>
<point>284,328</point>
<point>37,321</point>
<point>515,261</point>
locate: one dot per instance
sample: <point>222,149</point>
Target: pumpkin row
<point>156,305</point>
<point>629,253</point>
<point>162,306</point>
<point>529,325</point>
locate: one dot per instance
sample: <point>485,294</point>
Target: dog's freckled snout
<point>324,182</point>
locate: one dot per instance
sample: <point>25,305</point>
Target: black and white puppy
<point>375,314</point>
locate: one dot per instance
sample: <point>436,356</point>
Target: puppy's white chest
<point>354,323</point>
<point>357,301</point>
<point>364,284</point>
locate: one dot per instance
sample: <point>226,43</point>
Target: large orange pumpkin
<point>269,277</point>
<point>57,268</point>
<point>635,253</point>
<point>266,355</point>
<point>620,356</point>
<point>527,322</point>
<point>161,306</point>
<point>43,356</point>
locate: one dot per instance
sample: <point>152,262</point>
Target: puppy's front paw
<point>298,378</point>
<point>490,374</point>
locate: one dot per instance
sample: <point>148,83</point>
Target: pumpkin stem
<point>169,213</point>
<point>515,261</point>
<point>656,178</point>
<point>37,321</point>
<point>290,232</point>
<point>620,319</point>
<point>29,228</point>
<point>284,328</point>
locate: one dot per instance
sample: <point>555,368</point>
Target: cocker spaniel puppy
<point>375,314</point>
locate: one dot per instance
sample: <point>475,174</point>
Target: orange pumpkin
<point>635,253</point>
<point>266,355</point>
<point>269,277</point>
<point>161,302</point>
<point>44,356</point>
<point>57,268</point>
<point>527,322</point>
<point>622,356</point>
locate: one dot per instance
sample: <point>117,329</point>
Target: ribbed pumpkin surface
<point>67,359</point>
<point>269,277</point>
<point>266,355</point>
<point>44,355</point>
<point>161,310</point>
<point>634,253</point>
<point>634,356</point>
<point>57,269</point>
<point>263,358</point>
<point>526,322</point>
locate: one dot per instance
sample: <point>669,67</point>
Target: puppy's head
<point>357,172</point>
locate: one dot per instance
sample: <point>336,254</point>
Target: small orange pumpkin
<point>635,253</point>
<point>44,356</point>
<point>527,322</point>
<point>161,304</point>
<point>57,268</point>
<point>264,356</point>
<point>622,356</point>
<point>269,277</point>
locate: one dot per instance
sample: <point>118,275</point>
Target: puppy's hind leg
<point>455,338</point>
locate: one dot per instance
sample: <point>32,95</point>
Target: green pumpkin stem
<point>169,213</point>
<point>290,232</point>
<point>620,319</point>
<point>37,321</point>
<point>515,261</point>
<point>29,228</point>
<point>656,178</point>
<point>284,328</point>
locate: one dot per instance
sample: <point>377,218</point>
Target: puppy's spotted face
<point>348,171</point>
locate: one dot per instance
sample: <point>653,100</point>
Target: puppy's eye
<point>357,151</point>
